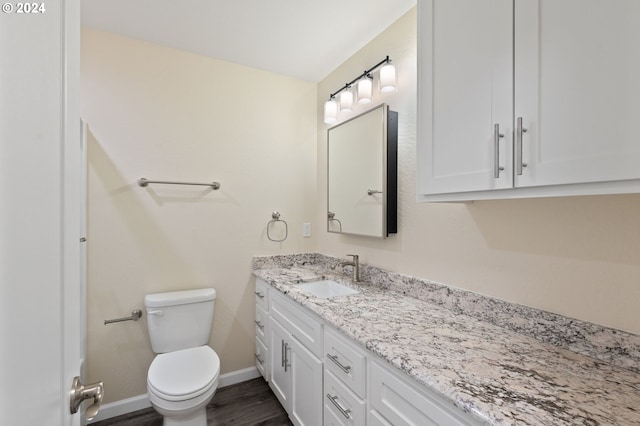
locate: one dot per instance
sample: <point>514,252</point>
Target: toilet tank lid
<point>184,297</point>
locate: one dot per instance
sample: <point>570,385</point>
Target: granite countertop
<point>498,375</point>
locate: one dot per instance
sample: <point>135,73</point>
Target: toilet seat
<point>184,374</point>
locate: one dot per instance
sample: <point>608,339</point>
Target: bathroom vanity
<point>407,351</point>
<point>316,372</point>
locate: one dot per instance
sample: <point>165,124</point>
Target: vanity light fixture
<point>346,100</point>
<point>331,110</point>
<point>387,78</point>
<point>364,90</point>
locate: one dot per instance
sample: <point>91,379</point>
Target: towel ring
<point>275,217</point>
<point>331,216</point>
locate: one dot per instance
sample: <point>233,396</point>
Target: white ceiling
<point>306,39</point>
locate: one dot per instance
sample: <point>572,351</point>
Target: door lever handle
<point>80,392</point>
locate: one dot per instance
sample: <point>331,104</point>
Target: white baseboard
<point>238,376</point>
<point>124,406</point>
<point>140,402</point>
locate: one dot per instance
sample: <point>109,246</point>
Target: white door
<point>465,61</point>
<point>39,213</point>
<point>577,90</point>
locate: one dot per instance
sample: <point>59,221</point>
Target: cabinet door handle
<point>260,295</point>
<point>334,358</point>
<point>496,150</point>
<point>286,357</point>
<point>259,324</point>
<point>283,354</point>
<point>519,131</point>
<point>260,359</point>
<point>345,412</point>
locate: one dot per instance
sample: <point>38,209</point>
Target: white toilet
<point>184,375</point>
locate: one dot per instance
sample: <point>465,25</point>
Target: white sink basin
<point>327,288</point>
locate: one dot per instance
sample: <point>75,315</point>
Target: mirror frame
<point>389,173</point>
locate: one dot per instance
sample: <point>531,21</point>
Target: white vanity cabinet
<point>295,345</point>
<point>360,390</point>
<point>262,326</point>
<point>321,377</point>
<point>522,98</point>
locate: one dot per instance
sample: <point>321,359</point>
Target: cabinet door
<point>280,380</point>
<point>306,386</point>
<point>465,56</point>
<point>577,90</point>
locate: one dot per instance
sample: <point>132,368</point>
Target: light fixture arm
<point>367,74</point>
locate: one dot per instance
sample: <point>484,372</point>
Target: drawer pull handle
<point>260,359</point>
<point>259,324</point>
<point>334,358</point>
<point>260,295</point>
<point>334,399</point>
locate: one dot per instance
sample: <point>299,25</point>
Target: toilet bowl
<point>182,383</point>
<point>183,377</point>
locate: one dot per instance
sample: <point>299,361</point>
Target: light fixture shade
<point>365,90</point>
<point>330,111</point>
<point>388,78</point>
<point>346,100</point>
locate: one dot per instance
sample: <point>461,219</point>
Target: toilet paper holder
<point>135,316</point>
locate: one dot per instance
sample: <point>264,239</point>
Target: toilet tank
<point>179,319</point>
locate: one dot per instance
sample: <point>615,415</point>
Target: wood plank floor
<point>244,404</point>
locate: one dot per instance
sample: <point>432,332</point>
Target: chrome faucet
<point>356,266</point>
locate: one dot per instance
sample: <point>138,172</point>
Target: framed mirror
<point>362,174</point>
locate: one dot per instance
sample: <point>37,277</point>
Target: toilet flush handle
<point>157,313</point>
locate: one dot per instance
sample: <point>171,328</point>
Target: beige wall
<point>164,114</point>
<point>577,256</point>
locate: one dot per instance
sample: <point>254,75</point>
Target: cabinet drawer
<point>345,361</point>
<point>302,326</point>
<point>262,293</point>
<point>262,357</point>
<point>261,322</point>
<point>401,403</point>
<point>333,419</point>
<point>341,406</point>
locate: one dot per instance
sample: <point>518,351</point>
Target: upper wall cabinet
<point>528,98</point>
